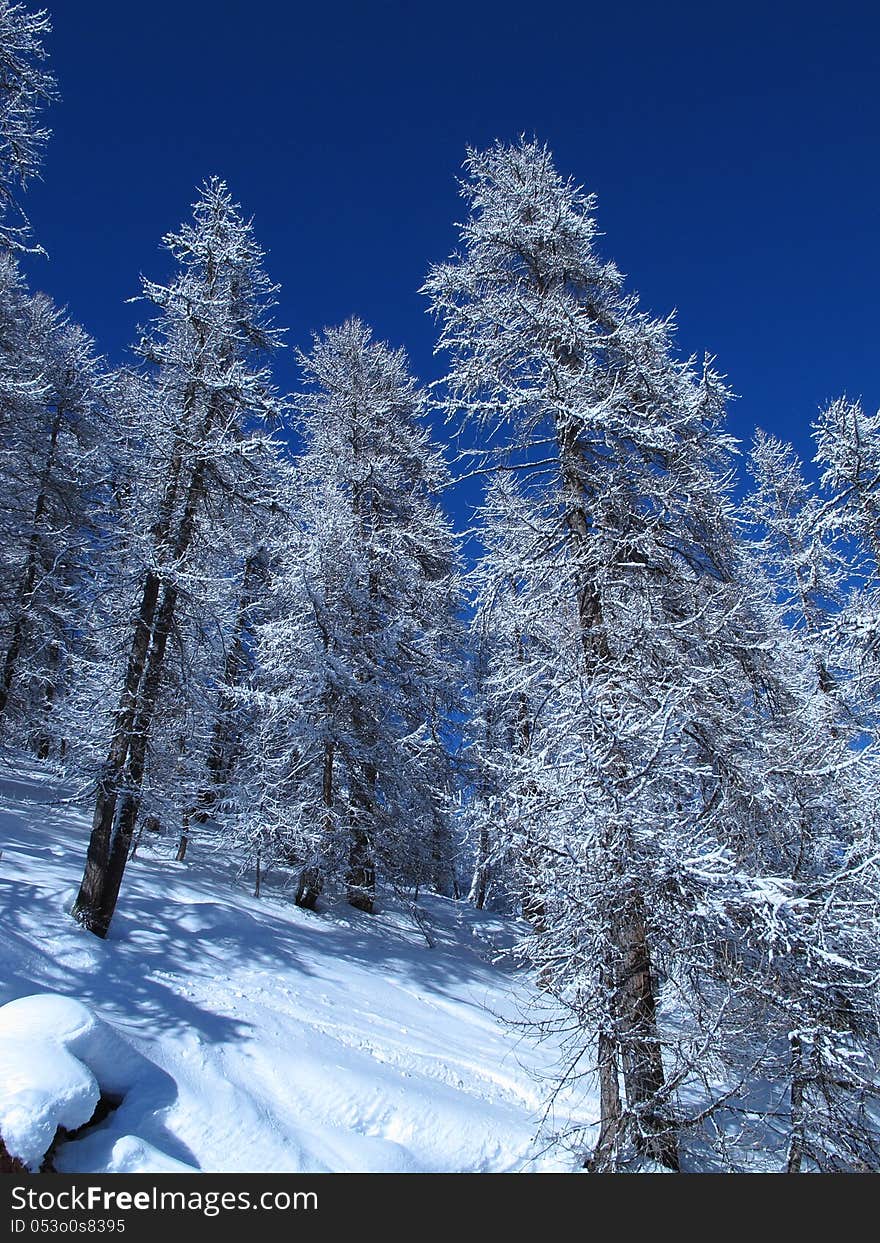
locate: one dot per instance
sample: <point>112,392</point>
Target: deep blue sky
<point>734,152</point>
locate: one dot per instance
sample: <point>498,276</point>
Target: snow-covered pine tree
<point>266,809</point>
<point>848,454</point>
<point>128,468</point>
<point>812,924</point>
<point>620,449</point>
<point>788,927</point>
<point>358,663</point>
<point>214,398</point>
<point>792,540</point>
<point>26,86</point>
<point>54,428</point>
<point>48,391</point>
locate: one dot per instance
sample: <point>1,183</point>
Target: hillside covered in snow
<point>244,1034</point>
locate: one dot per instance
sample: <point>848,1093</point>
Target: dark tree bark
<point>118,797</point>
<point>309,887</point>
<point>603,1159</point>
<point>44,738</point>
<point>99,892</point>
<point>183,843</point>
<point>480,882</point>
<point>640,1053</point>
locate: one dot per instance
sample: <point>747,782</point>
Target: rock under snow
<point>43,1086</point>
<point>56,1059</point>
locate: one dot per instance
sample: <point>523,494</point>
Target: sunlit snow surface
<point>245,1035</point>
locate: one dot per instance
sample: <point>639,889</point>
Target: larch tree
<point>848,455</point>
<point>358,661</point>
<point>621,451</point>
<point>26,86</point>
<point>214,397</point>
<point>55,490</point>
<point>792,539</point>
<point>49,394</point>
<point>699,886</point>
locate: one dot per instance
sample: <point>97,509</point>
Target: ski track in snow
<point>276,1039</point>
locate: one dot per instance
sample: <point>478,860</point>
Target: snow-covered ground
<point>245,1035</point>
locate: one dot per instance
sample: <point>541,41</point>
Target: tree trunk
<point>309,888</point>
<point>638,1051</point>
<point>796,1140</point>
<point>311,883</point>
<point>113,823</point>
<point>90,900</point>
<point>361,879</point>
<point>604,1156</point>
<point>183,843</point>
<point>480,882</point>
<point>103,897</point>
<point>44,739</point>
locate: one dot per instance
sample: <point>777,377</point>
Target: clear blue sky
<point>734,150</point>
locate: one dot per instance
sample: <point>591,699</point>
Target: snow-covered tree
<point>620,449</point>
<point>357,662</point>
<point>787,980</point>
<point>848,454</point>
<point>26,86</point>
<point>792,535</point>
<point>55,431</point>
<point>214,396</point>
<point>677,760</point>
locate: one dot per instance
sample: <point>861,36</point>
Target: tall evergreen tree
<point>26,86</point>
<point>358,658</point>
<point>55,429</point>
<point>213,323</point>
<point>620,448</point>
<point>793,540</point>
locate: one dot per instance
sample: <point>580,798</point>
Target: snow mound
<point>41,1088</point>
<point>56,1060</point>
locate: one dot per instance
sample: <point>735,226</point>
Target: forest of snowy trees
<point>643,717</point>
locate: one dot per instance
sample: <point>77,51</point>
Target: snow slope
<point>253,1036</point>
